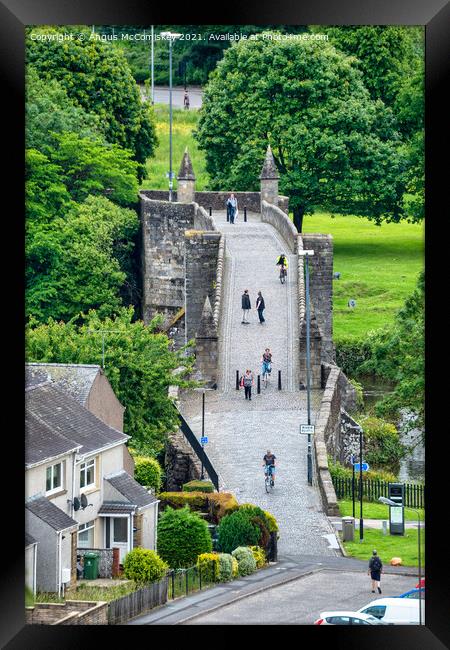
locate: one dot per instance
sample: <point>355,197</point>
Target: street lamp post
<point>202,476</point>
<point>306,254</point>
<point>153,67</point>
<point>389,502</point>
<point>171,37</point>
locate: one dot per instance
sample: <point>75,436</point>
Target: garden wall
<point>71,612</point>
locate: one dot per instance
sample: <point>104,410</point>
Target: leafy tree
<point>334,147</point>
<point>182,536</point>
<point>138,363</point>
<point>98,79</point>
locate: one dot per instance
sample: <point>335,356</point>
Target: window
<point>376,610</point>
<point>358,621</point>
<point>86,534</point>
<point>54,478</point>
<point>87,473</point>
<point>121,529</point>
<point>339,620</point>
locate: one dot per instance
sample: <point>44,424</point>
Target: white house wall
<point>148,528</point>
<point>47,558</point>
<point>29,567</point>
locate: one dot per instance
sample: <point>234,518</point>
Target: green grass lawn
<point>374,510</point>
<point>379,265</point>
<point>182,126</point>
<point>388,546</point>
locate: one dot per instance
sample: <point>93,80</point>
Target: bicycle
<point>268,482</point>
<point>266,370</point>
<point>283,274</point>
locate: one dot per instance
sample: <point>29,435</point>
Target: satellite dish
<point>83,501</point>
<point>76,504</point>
<point>352,303</point>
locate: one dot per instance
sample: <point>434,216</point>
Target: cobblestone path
<point>240,431</point>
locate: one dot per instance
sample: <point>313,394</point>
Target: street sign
<point>204,440</point>
<point>169,176</point>
<point>365,467</point>
<point>307,428</point>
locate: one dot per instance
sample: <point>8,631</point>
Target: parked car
<point>421,583</point>
<point>346,618</point>
<point>414,593</point>
<point>403,611</point>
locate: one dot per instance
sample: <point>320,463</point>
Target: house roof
<point>116,508</point>
<point>75,378</point>
<point>29,540</point>
<point>52,515</point>
<point>130,489</point>
<point>65,416</point>
<point>41,442</point>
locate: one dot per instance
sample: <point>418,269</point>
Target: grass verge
<point>374,510</point>
<point>388,546</point>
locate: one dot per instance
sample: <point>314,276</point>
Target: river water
<point>412,466</point>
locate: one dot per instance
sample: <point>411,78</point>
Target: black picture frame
<point>14,16</point>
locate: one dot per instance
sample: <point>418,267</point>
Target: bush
<point>198,486</point>
<point>234,567</point>
<point>221,504</point>
<point>237,530</point>
<point>208,565</point>
<point>258,517</point>
<point>359,394</point>
<point>246,561</point>
<point>271,522</point>
<point>195,500</point>
<point>148,472</point>
<point>340,471</point>
<point>351,353</point>
<point>143,566</point>
<point>382,443</point>
<point>182,537</point>
<point>259,555</point>
<point>226,567</point>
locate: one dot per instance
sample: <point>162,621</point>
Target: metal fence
<point>138,602</point>
<point>199,450</point>
<point>182,582</point>
<point>372,489</point>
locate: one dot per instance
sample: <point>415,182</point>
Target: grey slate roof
<point>115,508</point>
<point>76,379</point>
<point>130,489</point>
<point>269,170</point>
<point>29,540</point>
<point>41,442</point>
<point>65,416</point>
<point>51,514</point>
<point>35,376</point>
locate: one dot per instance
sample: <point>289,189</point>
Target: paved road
<point>162,96</point>
<point>240,431</point>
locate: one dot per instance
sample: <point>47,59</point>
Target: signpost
<point>308,429</point>
<point>204,440</point>
<point>357,468</point>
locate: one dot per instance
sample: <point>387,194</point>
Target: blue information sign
<point>365,467</point>
<point>204,440</point>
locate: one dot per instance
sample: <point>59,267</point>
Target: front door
<point>119,536</point>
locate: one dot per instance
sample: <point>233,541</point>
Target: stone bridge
<point>196,267</point>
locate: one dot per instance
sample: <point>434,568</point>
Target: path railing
<point>372,489</point>
<point>199,451</point>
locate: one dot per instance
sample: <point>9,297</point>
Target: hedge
<point>198,486</point>
<point>208,565</point>
<point>246,561</point>
<point>221,504</point>
<point>216,504</point>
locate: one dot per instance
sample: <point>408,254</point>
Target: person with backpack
<point>260,306</point>
<point>374,570</point>
<point>246,306</point>
<point>247,383</point>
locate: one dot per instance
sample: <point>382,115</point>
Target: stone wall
<point>280,221</point>
<point>202,220</point>
<point>217,306</point>
<point>283,203</point>
<point>71,612</point>
<point>163,255</point>
<point>181,463</point>
<point>217,200</point>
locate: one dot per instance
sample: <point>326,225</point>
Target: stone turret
<point>269,179</point>
<point>186,180</point>
<point>206,345</point>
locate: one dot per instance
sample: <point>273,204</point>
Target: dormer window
<point>87,474</point>
<point>54,478</point>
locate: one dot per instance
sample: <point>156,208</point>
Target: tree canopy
<point>334,146</point>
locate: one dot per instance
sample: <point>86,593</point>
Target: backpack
<point>376,564</point>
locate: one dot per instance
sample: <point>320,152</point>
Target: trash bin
<point>348,529</point>
<point>91,566</point>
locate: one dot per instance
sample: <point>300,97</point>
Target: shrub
<point>359,394</point>
<point>198,486</point>
<point>182,537</point>
<point>351,353</point>
<point>148,472</point>
<point>144,566</point>
<point>258,517</point>
<point>226,567</point>
<point>246,561</point>
<point>259,555</point>
<point>271,522</point>
<point>195,500</point>
<point>382,443</point>
<point>237,530</point>
<point>221,504</point>
<point>340,471</point>
<point>234,567</point>
<point>208,565</point>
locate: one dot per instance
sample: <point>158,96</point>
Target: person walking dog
<point>247,381</point>
<point>246,306</point>
<point>260,306</point>
<point>374,570</point>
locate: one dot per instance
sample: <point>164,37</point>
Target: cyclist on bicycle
<point>266,361</point>
<point>269,465</point>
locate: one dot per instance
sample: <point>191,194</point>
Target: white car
<point>403,611</point>
<point>347,618</point>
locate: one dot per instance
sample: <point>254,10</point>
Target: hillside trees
<point>333,145</point>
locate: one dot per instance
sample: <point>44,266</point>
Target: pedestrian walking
<point>186,99</point>
<point>260,306</point>
<point>246,306</point>
<point>374,570</point>
<point>248,383</point>
<point>232,208</point>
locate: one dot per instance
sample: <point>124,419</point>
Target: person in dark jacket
<point>260,306</point>
<point>374,570</point>
<point>246,306</point>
